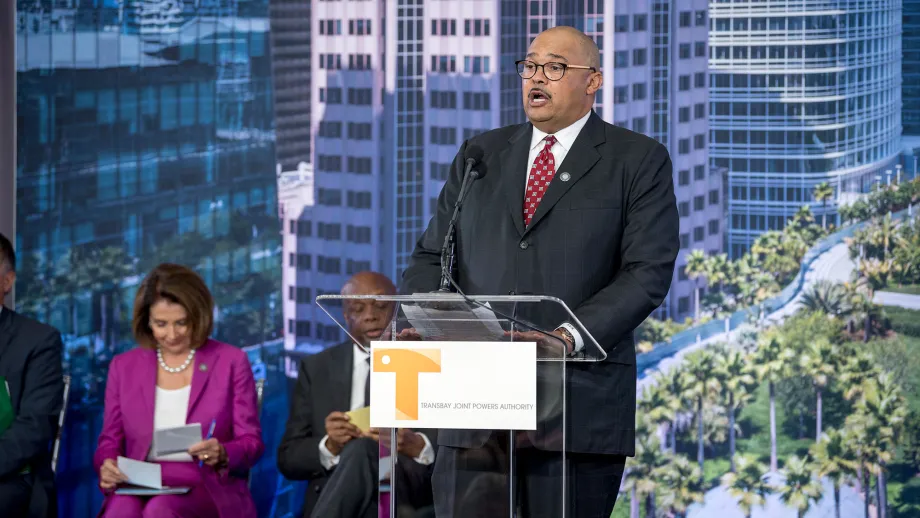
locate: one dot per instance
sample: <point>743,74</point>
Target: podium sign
<point>447,384</point>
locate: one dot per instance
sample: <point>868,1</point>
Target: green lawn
<point>910,289</point>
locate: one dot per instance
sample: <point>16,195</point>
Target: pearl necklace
<point>174,370</point>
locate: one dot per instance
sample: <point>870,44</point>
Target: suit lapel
<point>204,365</point>
<point>578,161</point>
<point>514,168</point>
<point>146,373</point>
<point>340,373</point>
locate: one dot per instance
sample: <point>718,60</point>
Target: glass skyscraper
<point>910,68</point>
<point>145,135</point>
<point>801,93</point>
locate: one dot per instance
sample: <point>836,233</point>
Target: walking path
<point>834,265</point>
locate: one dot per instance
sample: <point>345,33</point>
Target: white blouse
<point>170,410</point>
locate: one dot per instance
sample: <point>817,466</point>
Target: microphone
<point>448,249</point>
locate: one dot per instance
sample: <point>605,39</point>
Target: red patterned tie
<point>542,172</point>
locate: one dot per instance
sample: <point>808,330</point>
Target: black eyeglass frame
<point>565,67</point>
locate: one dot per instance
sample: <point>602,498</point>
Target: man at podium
<point>569,206</point>
<point>327,440</point>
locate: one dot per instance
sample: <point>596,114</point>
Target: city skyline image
<point>278,147</point>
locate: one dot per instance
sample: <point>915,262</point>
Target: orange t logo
<point>407,364</point>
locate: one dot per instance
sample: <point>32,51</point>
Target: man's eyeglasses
<point>553,71</point>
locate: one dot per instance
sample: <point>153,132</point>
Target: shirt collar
<point>564,137</point>
<point>360,355</point>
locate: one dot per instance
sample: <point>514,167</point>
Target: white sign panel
<point>465,385</point>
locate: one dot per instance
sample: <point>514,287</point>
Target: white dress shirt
<point>565,138</point>
<point>360,367</point>
<point>169,411</point>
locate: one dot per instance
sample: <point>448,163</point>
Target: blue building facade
<point>145,135</point>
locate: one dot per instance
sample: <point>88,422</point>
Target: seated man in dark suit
<point>30,364</point>
<point>322,446</point>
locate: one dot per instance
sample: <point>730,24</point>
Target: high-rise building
<point>398,86</point>
<point>801,93</point>
<point>910,68</point>
<point>659,88</point>
<point>291,63</point>
<point>141,137</point>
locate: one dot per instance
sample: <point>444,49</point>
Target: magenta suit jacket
<point>223,389</point>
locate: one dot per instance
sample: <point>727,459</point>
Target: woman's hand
<point>211,452</point>
<point>109,475</point>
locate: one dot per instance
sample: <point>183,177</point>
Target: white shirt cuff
<point>425,458</point>
<point>326,458</point>
<point>579,343</point>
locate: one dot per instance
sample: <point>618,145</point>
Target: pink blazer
<point>223,389</point>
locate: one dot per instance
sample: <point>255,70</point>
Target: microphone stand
<point>449,249</point>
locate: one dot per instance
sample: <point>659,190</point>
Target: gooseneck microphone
<point>448,250</point>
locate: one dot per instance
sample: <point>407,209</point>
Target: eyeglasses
<point>553,71</point>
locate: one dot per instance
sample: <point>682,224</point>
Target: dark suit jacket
<point>604,242</point>
<point>30,360</point>
<point>323,386</point>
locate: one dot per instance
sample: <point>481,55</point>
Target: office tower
<point>145,138</point>
<point>291,62</point>
<point>801,94</point>
<point>910,70</point>
<point>660,90</point>
<point>398,86</point>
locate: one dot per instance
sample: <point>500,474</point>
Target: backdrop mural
<point>279,146</point>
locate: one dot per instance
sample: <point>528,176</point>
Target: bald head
<point>369,283</point>
<point>556,99</point>
<point>587,52</point>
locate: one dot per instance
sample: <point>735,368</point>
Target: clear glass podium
<point>483,472</point>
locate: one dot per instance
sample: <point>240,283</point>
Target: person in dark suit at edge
<point>321,446</point>
<point>575,208</point>
<point>30,362</point>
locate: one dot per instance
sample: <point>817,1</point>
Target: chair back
<point>60,427</point>
<point>260,388</point>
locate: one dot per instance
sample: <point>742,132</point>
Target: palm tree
<point>683,481</point>
<point>677,382</point>
<point>800,488</point>
<point>858,368</point>
<point>826,296</point>
<point>835,461</point>
<point>748,484</point>
<point>819,363</point>
<point>644,473</point>
<point>774,361</point>
<point>657,407</point>
<point>703,385</point>
<point>736,377</point>
<point>880,414</point>
<point>823,193</point>
<point>883,233</point>
<point>695,269</point>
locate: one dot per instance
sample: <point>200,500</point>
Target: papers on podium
<point>176,440</point>
<point>146,479</point>
<point>438,321</point>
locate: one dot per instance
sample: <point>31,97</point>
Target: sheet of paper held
<point>452,319</point>
<point>139,473</point>
<point>176,440</point>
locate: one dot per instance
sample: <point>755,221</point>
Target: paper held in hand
<point>146,479</point>
<point>176,440</point>
<point>361,417</point>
